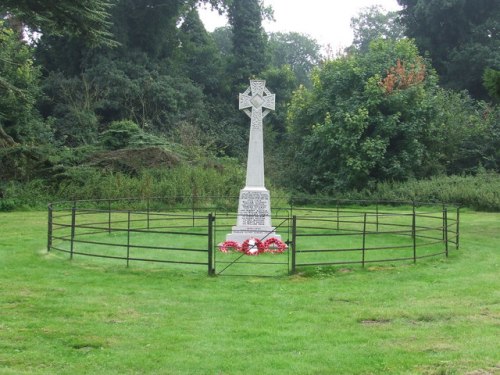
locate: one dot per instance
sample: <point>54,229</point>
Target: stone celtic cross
<point>254,208</point>
<point>257,101</point>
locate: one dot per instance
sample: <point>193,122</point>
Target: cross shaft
<point>257,101</point>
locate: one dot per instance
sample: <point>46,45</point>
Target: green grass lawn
<point>86,316</point>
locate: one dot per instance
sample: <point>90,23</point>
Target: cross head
<point>257,101</point>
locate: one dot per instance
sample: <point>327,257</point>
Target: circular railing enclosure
<point>186,232</point>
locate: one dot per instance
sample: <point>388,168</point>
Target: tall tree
<point>223,37</point>
<point>148,26</point>
<point>19,90</point>
<point>85,18</point>
<point>245,17</point>
<point>300,52</point>
<point>491,80</point>
<point>198,56</point>
<point>462,37</point>
<point>374,23</point>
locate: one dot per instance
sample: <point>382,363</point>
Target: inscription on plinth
<point>254,216</point>
<point>254,208</point>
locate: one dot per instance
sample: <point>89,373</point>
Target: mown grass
<point>440,316</point>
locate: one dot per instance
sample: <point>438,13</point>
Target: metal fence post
<point>414,234</point>
<point>445,230</point>
<point>147,212</point>
<point>128,238</point>
<point>193,209</point>
<point>73,222</point>
<point>458,228</point>
<point>294,243</point>
<point>109,215</point>
<point>210,244</point>
<point>364,241</point>
<point>444,226</point>
<point>49,229</point>
<point>338,218</point>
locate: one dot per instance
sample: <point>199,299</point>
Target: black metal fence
<point>318,233</point>
<point>366,235</point>
<point>131,235</point>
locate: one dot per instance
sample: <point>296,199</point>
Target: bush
<point>480,192</point>
<point>120,134</point>
<point>32,194</point>
<point>183,180</point>
<point>7,204</point>
<point>225,179</point>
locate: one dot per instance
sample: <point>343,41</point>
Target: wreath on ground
<point>274,245</point>
<point>229,246</point>
<point>254,246</point>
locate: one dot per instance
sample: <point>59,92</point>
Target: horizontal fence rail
<point>186,231</point>
<point>365,236</point>
<point>128,235</point>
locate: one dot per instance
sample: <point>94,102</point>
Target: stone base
<point>254,216</point>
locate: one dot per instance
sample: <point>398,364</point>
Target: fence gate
<point>232,262</point>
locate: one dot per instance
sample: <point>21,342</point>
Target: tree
<point>374,23</point>
<point>298,51</point>
<point>245,17</point>
<point>461,36</point>
<point>223,37</point>
<point>86,18</point>
<point>148,26</point>
<point>468,133</point>
<point>139,27</point>
<point>148,79</point>
<point>283,82</point>
<point>367,119</point>
<point>197,54</point>
<point>69,104</point>
<point>19,90</point>
<point>381,116</point>
<point>491,80</point>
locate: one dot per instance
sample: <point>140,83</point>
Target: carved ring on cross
<point>257,97</point>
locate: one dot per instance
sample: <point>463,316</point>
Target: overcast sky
<point>327,21</point>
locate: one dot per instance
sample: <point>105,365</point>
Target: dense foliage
<point>381,116</point>
<point>88,19</point>
<point>125,89</point>
<point>461,36</point>
<point>248,40</point>
<point>374,23</point>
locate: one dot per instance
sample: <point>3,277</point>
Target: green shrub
<point>32,194</point>
<point>7,204</point>
<point>120,134</point>
<point>225,179</point>
<point>184,180</point>
<point>480,192</point>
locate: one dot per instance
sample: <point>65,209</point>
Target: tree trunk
<point>5,139</point>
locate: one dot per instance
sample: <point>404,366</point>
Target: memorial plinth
<point>254,208</point>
